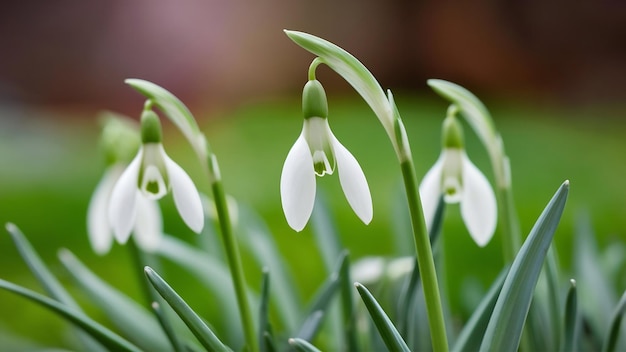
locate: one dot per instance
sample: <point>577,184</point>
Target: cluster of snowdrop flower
<point>124,201</point>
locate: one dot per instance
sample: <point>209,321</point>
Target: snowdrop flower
<point>150,175</point>
<point>316,153</point>
<point>148,225</point>
<point>120,142</point>
<point>460,181</point>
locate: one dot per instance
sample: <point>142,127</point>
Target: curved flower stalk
<point>151,175</point>
<point>459,181</point>
<point>317,152</point>
<point>119,143</point>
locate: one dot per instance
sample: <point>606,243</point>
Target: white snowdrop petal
<point>430,192</point>
<point>353,182</point>
<point>122,202</point>
<point>186,196</point>
<point>148,224</point>
<point>297,185</point>
<point>98,227</point>
<point>478,207</point>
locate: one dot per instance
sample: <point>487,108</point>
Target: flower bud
<point>150,127</point>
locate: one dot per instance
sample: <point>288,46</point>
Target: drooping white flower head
<point>317,152</point>
<point>150,176</point>
<point>148,225</point>
<point>459,181</point>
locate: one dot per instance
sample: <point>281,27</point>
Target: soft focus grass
<point>49,167</point>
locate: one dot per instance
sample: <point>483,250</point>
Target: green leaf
<point>554,299</point>
<point>302,345</point>
<point>202,332</point>
<point>473,331</point>
<point>597,296</point>
<point>50,284</point>
<point>101,334</point>
<point>167,327</point>
<point>572,321</point>
<point>175,110</point>
<point>614,332</point>
<point>137,323</point>
<point>507,321</point>
<point>388,332</point>
<point>213,274</point>
<point>347,303</point>
<point>265,329</point>
<point>354,72</point>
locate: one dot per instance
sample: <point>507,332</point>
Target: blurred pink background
<point>216,53</point>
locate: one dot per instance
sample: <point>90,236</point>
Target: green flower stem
<point>425,259</point>
<point>511,239</point>
<point>232,253</point>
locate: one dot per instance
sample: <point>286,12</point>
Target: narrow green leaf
<point>302,345</point>
<point>202,332</point>
<point>473,331</point>
<point>597,296</point>
<point>137,323</point>
<point>175,110</point>
<point>214,275</point>
<point>347,304</point>
<point>610,343</point>
<point>554,299</point>
<point>268,341</point>
<point>572,322</point>
<point>167,328</point>
<point>507,321</point>
<point>354,72</point>
<point>264,323</point>
<point>388,332</point>
<point>103,335</point>
<point>50,284</point>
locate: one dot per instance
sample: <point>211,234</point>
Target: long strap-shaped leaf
<point>507,321</point>
<point>137,323</point>
<point>388,332</point>
<point>204,334</point>
<point>51,285</point>
<point>571,321</point>
<point>611,339</point>
<point>101,334</point>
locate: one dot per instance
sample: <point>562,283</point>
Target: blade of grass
<point>507,321</point>
<point>388,332</point>
<point>48,281</point>
<point>202,332</point>
<point>137,323</point>
<point>103,335</point>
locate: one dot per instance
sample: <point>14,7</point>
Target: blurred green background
<point>552,77</point>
